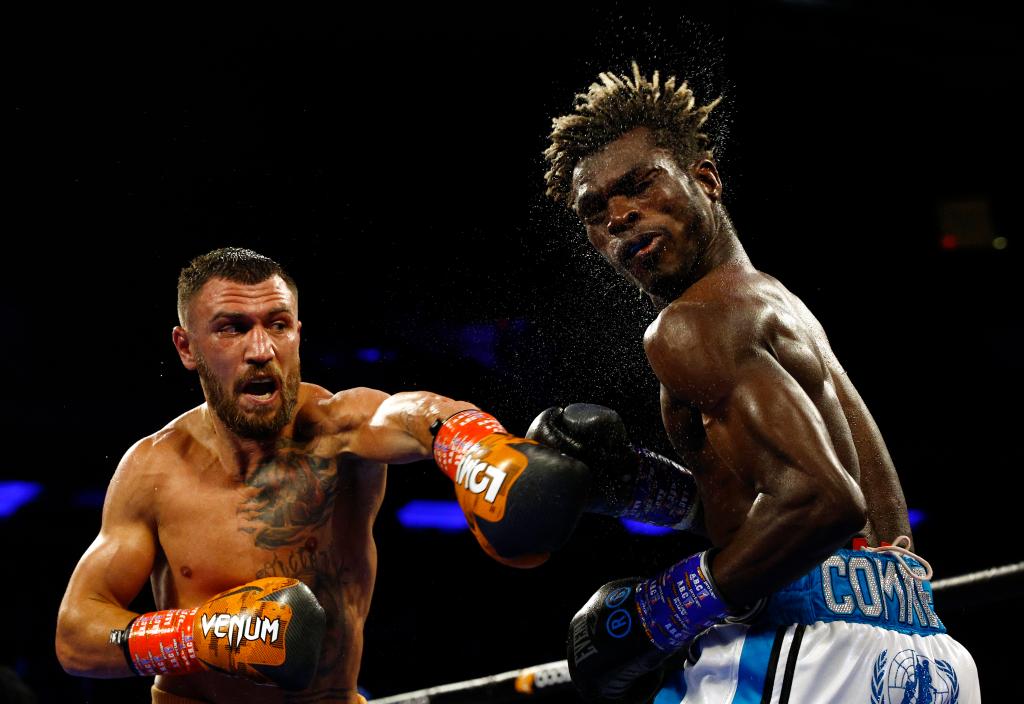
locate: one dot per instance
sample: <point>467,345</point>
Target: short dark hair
<point>617,105</point>
<point>237,264</point>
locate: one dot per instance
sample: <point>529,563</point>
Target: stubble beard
<point>261,424</point>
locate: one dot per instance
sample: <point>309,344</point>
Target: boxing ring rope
<point>538,681</point>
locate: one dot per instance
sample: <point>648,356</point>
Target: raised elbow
<point>841,511</point>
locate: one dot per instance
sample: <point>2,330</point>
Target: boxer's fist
<point>610,657</point>
<point>620,638</point>
<point>597,436</point>
<point>628,481</point>
<point>269,631</point>
<point>521,500</point>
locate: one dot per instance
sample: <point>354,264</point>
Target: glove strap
<point>665,493</point>
<point>678,604</point>
<point>119,638</point>
<point>160,643</point>
<point>459,434</point>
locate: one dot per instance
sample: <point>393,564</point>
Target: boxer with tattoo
<point>251,515</point>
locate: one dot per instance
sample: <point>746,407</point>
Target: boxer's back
<point>297,513</point>
<point>749,313</point>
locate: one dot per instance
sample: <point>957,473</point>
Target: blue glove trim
<point>680,602</point>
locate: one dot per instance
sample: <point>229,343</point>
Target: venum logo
<point>238,627</point>
<point>480,478</point>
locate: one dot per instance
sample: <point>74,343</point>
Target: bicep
<point>116,566</point>
<point>771,431</point>
<point>119,561</point>
<point>392,429</point>
<point>758,413</point>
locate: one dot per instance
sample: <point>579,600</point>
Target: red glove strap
<point>460,433</point>
<point>160,643</point>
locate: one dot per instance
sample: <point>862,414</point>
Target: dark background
<point>393,165</point>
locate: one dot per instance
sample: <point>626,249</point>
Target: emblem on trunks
<point>911,678</point>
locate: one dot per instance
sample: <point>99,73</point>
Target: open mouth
<point>261,388</point>
<point>638,247</point>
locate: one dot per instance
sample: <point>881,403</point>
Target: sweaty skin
<point>196,509</point>
<point>789,462</point>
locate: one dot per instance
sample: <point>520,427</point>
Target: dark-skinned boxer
<point>803,597</point>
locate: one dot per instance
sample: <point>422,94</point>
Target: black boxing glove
<point>629,482</point>
<point>521,499</point>
<point>619,640</point>
<point>610,657</point>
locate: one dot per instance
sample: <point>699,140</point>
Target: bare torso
<point>303,511</point>
<point>756,314</point>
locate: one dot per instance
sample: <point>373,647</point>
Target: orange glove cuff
<point>460,433</point>
<point>160,643</point>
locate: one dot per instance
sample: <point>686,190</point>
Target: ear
<point>705,175</point>
<point>181,343</point>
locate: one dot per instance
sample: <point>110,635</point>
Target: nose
<point>622,214</point>
<point>260,349</point>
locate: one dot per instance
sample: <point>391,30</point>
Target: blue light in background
<point>479,342</point>
<point>15,494</point>
<point>439,515</point>
<point>644,528</point>
<point>90,498</point>
<point>916,517</point>
<point>369,355</point>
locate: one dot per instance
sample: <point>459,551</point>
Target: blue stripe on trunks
<point>757,650</point>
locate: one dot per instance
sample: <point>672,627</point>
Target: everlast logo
<point>478,476</point>
<point>582,648</point>
<point>236,627</point>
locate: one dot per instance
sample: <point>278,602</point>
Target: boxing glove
<point>628,482</point>
<point>521,499</point>
<point>269,630</point>
<point>629,628</point>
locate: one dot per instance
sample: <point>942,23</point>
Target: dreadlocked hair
<point>616,105</point>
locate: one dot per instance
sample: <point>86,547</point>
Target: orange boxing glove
<point>521,499</point>
<point>269,631</point>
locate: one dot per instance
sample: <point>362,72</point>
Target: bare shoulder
<point>345,410</point>
<point>698,342</point>
<point>143,475</point>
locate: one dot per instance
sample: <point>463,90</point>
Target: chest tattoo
<point>292,493</point>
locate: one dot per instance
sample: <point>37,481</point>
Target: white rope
<point>983,575</point>
<point>526,681</point>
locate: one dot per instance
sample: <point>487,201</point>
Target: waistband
<point>162,697</point>
<point>857,586</point>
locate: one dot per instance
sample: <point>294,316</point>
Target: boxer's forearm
<point>83,638</point>
<point>782,538</point>
<point>399,430</point>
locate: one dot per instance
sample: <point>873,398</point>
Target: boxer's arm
<point>387,428</point>
<point>878,478</point>
<point>763,424</point>
<point>521,500</point>
<point>110,574</point>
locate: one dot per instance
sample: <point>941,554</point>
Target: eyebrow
<point>235,314</point>
<point>619,184</point>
